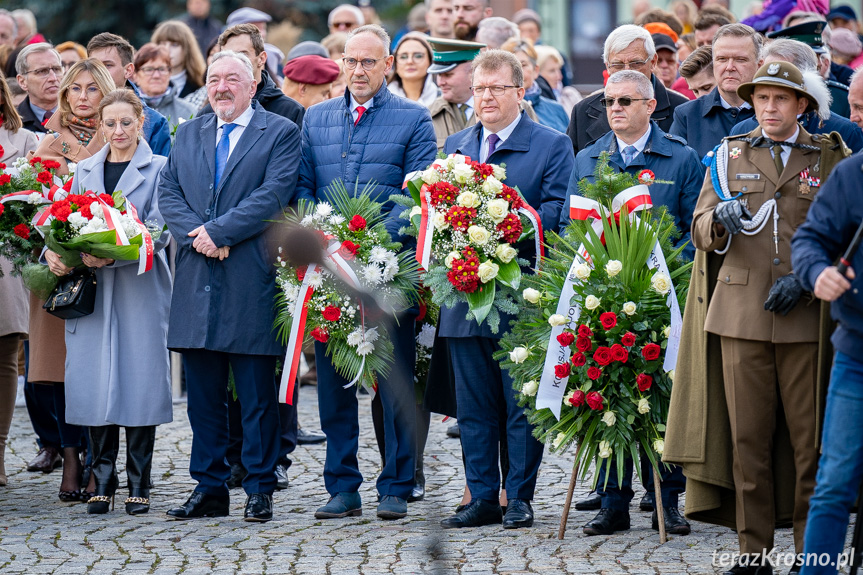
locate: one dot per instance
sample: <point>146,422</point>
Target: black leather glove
<point>730,215</point>
<point>784,294</point>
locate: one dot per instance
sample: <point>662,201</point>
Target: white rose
<point>478,235</point>
<point>643,405</point>
<point>591,302</point>
<point>531,295</point>
<point>492,185</point>
<point>518,355</point>
<point>439,221</point>
<point>605,450</point>
<point>613,267</point>
<point>629,308</point>
<point>582,272</point>
<point>666,332</point>
<point>556,320</point>
<point>497,209</point>
<point>450,257</point>
<point>609,419</point>
<point>487,271</point>
<point>416,211</point>
<point>467,200</point>
<point>558,440</point>
<point>659,446</point>
<point>499,172</point>
<point>660,283</point>
<point>462,173</point>
<point>567,397</point>
<point>505,253</point>
<point>431,176</point>
<point>530,388</point>
<point>458,159</point>
<point>440,163</point>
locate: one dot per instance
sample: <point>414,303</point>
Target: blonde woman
<point>187,63</point>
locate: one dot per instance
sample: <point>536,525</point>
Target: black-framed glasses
<point>495,90</point>
<point>635,64</point>
<point>368,63</point>
<point>43,72</point>
<point>150,70</point>
<point>623,101</point>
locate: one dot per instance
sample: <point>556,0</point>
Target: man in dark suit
<point>229,174</point>
<point>627,47</point>
<point>39,74</point>
<point>538,161</point>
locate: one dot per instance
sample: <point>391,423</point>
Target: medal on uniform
<point>807,182</point>
<point>734,153</point>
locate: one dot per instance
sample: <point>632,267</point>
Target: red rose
<point>349,249</point>
<point>5,179</point>
<point>22,231</point>
<point>602,355</point>
<point>320,334</point>
<point>562,370</point>
<point>594,400</point>
<point>61,210</point>
<point>579,359</point>
<point>44,177</point>
<point>583,344</point>
<point>608,320</point>
<point>332,313</point>
<point>584,331</point>
<point>594,372</point>
<point>577,399</point>
<point>651,351</point>
<point>301,273</point>
<point>511,228</point>
<point>628,339</point>
<point>566,338</point>
<point>643,381</point>
<point>357,223</point>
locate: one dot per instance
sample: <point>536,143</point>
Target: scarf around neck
<point>82,128</point>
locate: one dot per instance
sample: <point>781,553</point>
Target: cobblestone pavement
<point>40,534</point>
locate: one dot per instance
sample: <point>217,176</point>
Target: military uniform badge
<point>734,153</point>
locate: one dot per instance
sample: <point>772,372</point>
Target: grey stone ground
<point>40,534</point>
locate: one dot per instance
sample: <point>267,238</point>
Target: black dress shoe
<point>606,522</point>
<point>259,507</point>
<point>590,503</point>
<point>47,460</point>
<point>453,431</point>
<point>200,504</point>
<point>281,476</point>
<point>308,438</point>
<point>238,473</point>
<point>646,503</point>
<point>519,513</point>
<point>418,493</point>
<point>675,524</point>
<point>741,569</point>
<point>479,512</point>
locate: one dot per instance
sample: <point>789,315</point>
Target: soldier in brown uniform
<point>768,327</point>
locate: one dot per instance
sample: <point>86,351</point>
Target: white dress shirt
<point>354,105</point>
<point>503,135</point>
<point>241,121</point>
<point>639,144</point>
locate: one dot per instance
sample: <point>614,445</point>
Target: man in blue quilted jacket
<point>370,135</point>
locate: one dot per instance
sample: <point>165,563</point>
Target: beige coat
<point>15,145</point>
<point>61,145</point>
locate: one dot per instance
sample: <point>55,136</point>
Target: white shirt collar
<point>727,106</point>
<point>241,120</point>
<point>639,144</point>
<point>504,133</point>
<point>355,104</point>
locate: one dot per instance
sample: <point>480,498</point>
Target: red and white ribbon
<point>295,341</point>
<point>146,251</point>
<point>634,199</point>
<point>538,240</point>
<point>426,231</point>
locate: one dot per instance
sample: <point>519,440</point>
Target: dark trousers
<point>338,408</point>
<point>287,430</point>
<point>617,493</point>
<point>70,435</point>
<point>40,408</point>
<point>422,417</point>
<point>207,383</point>
<point>482,389</point>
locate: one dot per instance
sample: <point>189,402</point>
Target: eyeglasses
<point>404,56</point>
<point>495,90</point>
<point>43,72</point>
<point>125,123</point>
<point>368,63</point>
<point>343,25</point>
<point>617,66</point>
<point>150,70</point>
<point>623,101</point>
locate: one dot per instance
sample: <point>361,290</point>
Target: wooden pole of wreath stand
<point>568,503</point>
<point>657,504</point>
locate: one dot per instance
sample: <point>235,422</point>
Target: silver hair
<point>794,51</point>
<point>622,36</point>
<point>350,8</point>
<point>9,15</point>
<point>642,84</point>
<point>21,66</point>
<point>27,16</point>
<point>371,29</point>
<point>816,86</point>
<point>856,76</point>
<point>495,31</point>
<point>241,58</point>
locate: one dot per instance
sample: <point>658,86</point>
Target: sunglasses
<point>623,101</point>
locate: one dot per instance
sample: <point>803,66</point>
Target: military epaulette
<point>835,84</point>
<point>744,137</point>
<point>675,138</point>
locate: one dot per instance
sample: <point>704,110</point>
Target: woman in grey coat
<point>153,79</point>
<point>117,371</point>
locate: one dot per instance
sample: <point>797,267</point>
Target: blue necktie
<point>629,153</point>
<point>222,151</point>
<point>493,139</point>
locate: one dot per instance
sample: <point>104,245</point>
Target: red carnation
<point>619,353</point>
<point>608,320</point>
<point>562,370</point>
<point>22,231</point>
<point>651,351</point>
<point>628,339</point>
<point>2,151</point>
<point>460,218</point>
<point>583,343</point>
<point>577,399</point>
<point>349,249</point>
<point>510,227</point>
<point>566,338</point>
<point>594,372</point>
<point>68,186</point>
<point>579,359</point>
<point>320,334</point>
<point>594,400</point>
<point>357,223</point>
<point>2,165</point>
<point>602,355</point>
<point>85,211</point>
<point>442,193</point>
<point>332,313</point>
<point>61,210</point>
<point>44,177</point>
<point>301,273</point>
<point>35,160</point>
<point>5,179</point>
<point>107,198</point>
<point>584,331</point>
<point>2,209</point>
<point>50,165</point>
<point>643,381</point>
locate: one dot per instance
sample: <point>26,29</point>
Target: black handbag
<point>74,296</point>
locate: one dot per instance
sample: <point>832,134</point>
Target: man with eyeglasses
<point>538,162</point>
<point>628,47</point>
<point>40,71</point>
<point>368,136</point>
<point>468,14</point>
<point>345,18</point>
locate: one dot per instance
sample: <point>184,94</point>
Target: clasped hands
<point>203,244</point>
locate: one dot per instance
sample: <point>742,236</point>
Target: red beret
<point>312,69</point>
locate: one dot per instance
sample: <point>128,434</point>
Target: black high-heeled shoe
<point>138,501</point>
<point>71,466</point>
<point>98,503</point>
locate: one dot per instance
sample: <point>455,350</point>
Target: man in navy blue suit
<point>228,175</point>
<point>538,160</point>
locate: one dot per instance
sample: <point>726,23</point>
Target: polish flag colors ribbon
<point>295,342</point>
<point>426,231</point>
<point>145,253</point>
<point>538,239</point>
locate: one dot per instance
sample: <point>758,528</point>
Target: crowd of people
<point>211,131</point>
